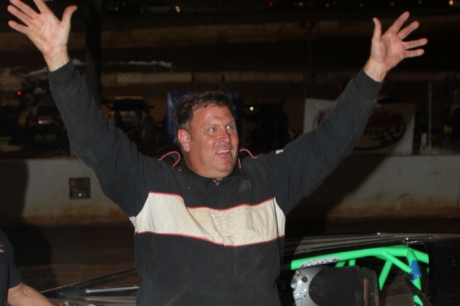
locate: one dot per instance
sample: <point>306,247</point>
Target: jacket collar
<point>205,180</point>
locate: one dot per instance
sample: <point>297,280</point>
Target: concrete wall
<point>374,186</point>
<point>37,191</point>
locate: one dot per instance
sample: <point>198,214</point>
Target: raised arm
<point>115,160</point>
<point>44,29</point>
<point>309,159</point>
<point>389,49</point>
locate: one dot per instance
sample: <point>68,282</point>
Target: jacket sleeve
<point>107,150</point>
<point>304,164</point>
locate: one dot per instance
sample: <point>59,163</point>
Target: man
<point>12,289</point>
<point>212,231</point>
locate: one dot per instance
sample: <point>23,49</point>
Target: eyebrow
<point>212,122</point>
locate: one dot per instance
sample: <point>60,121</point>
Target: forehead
<point>212,113</point>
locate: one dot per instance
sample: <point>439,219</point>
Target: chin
<point>223,172</point>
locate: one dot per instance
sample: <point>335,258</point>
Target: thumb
<point>67,15</point>
<point>377,29</point>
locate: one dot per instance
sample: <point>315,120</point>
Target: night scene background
<point>285,62</point>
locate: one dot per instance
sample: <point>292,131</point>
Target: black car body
<point>415,267</point>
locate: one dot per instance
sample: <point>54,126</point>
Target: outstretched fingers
<point>22,11</point>
<point>399,22</point>
<point>20,15</point>
<point>18,27</point>
<point>409,29</point>
<point>414,53</point>
<point>413,45</point>
<point>42,7</point>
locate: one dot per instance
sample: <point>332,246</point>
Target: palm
<point>390,52</point>
<point>51,35</point>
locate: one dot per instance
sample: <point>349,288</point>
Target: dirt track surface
<point>49,257</point>
<point>55,256</point>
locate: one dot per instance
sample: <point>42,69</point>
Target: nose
<point>225,136</point>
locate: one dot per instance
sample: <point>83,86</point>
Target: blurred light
<point>18,93</point>
<point>251,108</point>
<point>451,2</point>
<point>177,8</point>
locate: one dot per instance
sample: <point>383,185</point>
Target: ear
<point>184,139</point>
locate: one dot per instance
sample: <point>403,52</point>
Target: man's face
<point>211,145</point>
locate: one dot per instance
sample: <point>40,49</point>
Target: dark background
<point>51,256</point>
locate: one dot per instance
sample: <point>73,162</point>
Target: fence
<point>421,118</point>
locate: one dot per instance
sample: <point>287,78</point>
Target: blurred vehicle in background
<point>32,91</point>
<point>47,112</point>
<point>125,112</point>
<point>43,134</point>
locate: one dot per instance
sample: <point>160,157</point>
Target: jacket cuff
<point>368,87</point>
<point>62,76</point>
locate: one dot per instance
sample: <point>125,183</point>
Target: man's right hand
<point>389,49</point>
<point>44,29</point>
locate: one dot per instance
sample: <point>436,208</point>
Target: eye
<point>212,129</point>
<point>231,127</point>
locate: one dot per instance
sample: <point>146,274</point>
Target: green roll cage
<point>391,255</point>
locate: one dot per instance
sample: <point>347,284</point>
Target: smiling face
<point>210,145</point>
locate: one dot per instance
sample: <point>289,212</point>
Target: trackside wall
<point>37,191</point>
